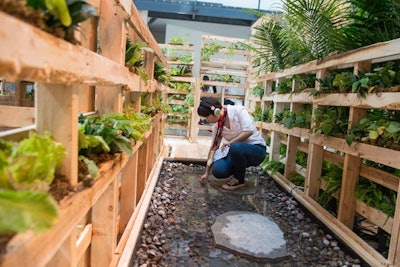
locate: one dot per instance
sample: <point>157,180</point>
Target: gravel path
<point>177,231</point>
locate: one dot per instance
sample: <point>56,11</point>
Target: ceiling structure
<point>193,10</point>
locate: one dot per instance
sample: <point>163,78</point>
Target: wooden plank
<point>61,122</point>
<point>351,175</point>
<point>375,51</point>
<point>314,170</point>
<point>140,27</point>
<point>38,50</point>
<point>357,244</point>
<point>83,242</point>
<point>124,252</point>
<point>128,191</point>
<point>347,201</point>
<point>374,153</point>
<point>141,171</point>
<point>21,116</point>
<point>291,149</point>
<point>104,218</point>
<point>394,247</point>
<point>38,250</point>
<point>67,254</point>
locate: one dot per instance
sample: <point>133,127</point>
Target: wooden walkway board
<point>182,149</point>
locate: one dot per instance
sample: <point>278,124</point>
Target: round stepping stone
<point>249,234</point>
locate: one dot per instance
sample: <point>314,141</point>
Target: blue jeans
<point>240,156</point>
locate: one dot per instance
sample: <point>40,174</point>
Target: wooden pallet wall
<point>227,69</point>
<point>99,225</point>
<point>179,121</point>
<point>335,150</point>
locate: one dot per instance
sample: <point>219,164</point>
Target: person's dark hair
<point>205,108</point>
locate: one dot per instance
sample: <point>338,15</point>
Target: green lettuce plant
<point>27,169</point>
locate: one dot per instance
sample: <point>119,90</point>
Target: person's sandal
<point>233,184</point>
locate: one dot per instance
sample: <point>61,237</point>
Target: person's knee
<point>235,149</point>
<point>220,172</point>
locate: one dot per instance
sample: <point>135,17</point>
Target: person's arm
<point>204,177</point>
<point>242,136</point>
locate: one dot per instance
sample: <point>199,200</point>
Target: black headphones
<point>216,111</point>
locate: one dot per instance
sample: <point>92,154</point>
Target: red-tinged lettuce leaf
<point>24,210</point>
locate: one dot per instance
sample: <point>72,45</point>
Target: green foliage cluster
<point>315,29</point>
<point>27,169</point>
<point>260,115</point>
<point>384,77</point>
<point>155,107</point>
<point>379,127</point>
<point>161,74</point>
<point>258,90</point>
<point>209,50</point>
<point>181,70</point>
<point>181,86</point>
<point>177,40</point>
<point>111,133</point>
<point>300,118</point>
<point>225,78</point>
<point>58,17</point>
<point>331,121</point>
<point>134,60</point>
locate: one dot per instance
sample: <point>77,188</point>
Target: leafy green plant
<point>225,78</point>
<point>272,166</point>
<point>300,118</point>
<point>134,58</point>
<point>382,131</point>
<point>376,196</point>
<point>332,175</point>
<point>157,106</point>
<point>181,86</point>
<point>332,121</point>
<point>284,86</point>
<point>60,18</point>
<point>315,29</point>
<point>268,114</point>
<point>161,73</point>
<point>181,70</point>
<point>185,58</point>
<point>257,113</point>
<point>258,90</point>
<point>177,40</point>
<point>209,50</point>
<point>111,133</point>
<point>27,169</point>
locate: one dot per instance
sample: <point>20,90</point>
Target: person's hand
<point>224,145</point>
<point>203,179</point>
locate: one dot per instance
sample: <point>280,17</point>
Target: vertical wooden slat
<point>142,170</point>
<point>87,36</point>
<point>62,122</point>
<point>104,217</point>
<point>275,137</point>
<point>112,38</point>
<point>67,255</point>
<point>128,192</point>
<point>394,248</point>
<point>314,168</point>
<point>351,175</point>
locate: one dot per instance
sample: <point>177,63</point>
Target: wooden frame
<point>96,224</point>
<point>351,161</point>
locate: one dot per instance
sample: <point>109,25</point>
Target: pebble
<point>177,230</point>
